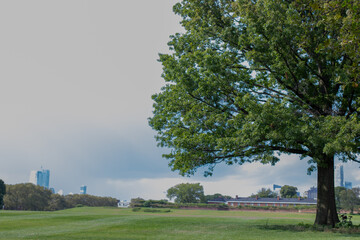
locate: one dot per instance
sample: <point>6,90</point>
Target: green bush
<point>136,209</point>
<point>156,210</point>
<point>345,221</point>
<point>154,203</point>
<point>223,207</point>
<point>151,210</point>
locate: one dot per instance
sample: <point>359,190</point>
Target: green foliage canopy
<point>343,17</point>
<point>249,79</point>
<point>215,196</point>
<point>26,196</point>
<point>265,193</point>
<point>186,193</point>
<point>287,191</point>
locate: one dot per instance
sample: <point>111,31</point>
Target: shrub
<point>136,209</point>
<point>151,210</point>
<point>137,202</point>
<point>345,221</point>
<point>222,207</point>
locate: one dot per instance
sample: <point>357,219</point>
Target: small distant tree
<point>265,193</point>
<point>215,196</point>
<point>2,192</point>
<point>346,199</point>
<point>137,202</point>
<point>287,191</point>
<point>349,200</point>
<point>186,193</point>
<point>338,199</point>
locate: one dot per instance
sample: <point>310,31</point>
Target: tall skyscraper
<point>33,177</point>
<point>40,178</point>
<point>83,189</point>
<point>339,175</point>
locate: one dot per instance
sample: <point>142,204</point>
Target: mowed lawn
<point>115,223</point>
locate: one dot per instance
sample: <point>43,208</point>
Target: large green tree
<point>251,79</point>
<point>186,193</point>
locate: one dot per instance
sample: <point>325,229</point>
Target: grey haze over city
<point>76,85</point>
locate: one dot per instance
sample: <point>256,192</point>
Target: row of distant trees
<point>191,193</point>
<point>194,193</point>
<point>27,196</point>
<point>346,199</point>
<point>286,191</point>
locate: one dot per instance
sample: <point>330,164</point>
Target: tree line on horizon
<point>27,196</point>
<point>193,193</point>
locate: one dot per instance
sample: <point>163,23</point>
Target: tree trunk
<point>326,213</point>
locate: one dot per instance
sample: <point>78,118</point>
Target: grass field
<point>115,223</point>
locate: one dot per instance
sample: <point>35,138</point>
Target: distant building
<point>43,178</point>
<point>275,186</point>
<point>339,175</point>
<point>276,189</point>
<point>312,193</point>
<point>33,178</point>
<point>60,192</point>
<point>123,204</point>
<point>83,189</point>
<point>348,185</point>
<point>52,190</point>
<point>40,178</point>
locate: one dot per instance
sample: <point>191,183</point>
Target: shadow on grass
<point>344,231</point>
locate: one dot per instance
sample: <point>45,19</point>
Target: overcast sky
<point>76,83</point>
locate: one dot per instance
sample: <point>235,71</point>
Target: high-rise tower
<point>40,178</point>
<point>83,189</point>
<point>33,177</point>
<point>339,175</point>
